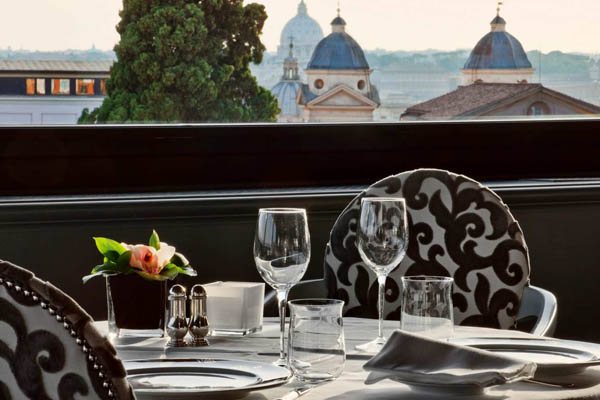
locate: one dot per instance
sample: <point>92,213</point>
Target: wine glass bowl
<point>281,255</point>
<point>382,240</point>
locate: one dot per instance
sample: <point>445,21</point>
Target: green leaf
<point>106,246</point>
<point>169,273</point>
<point>107,266</point>
<point>179,260</point>
<point>151,277</point>
<point>179,270</point>
<point>122,264</point>
<point>189,271</point>
<point>154,240</point>
<point>86,278</point>
<point>111,256</point>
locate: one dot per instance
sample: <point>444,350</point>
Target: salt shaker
<point>177,326</point>
<point>198,320</point>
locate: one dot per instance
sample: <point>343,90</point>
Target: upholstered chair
<point>49,348</point>
<point>457,228</point>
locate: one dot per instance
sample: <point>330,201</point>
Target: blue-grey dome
<point>302,29</point>
<point>498,50</point>
<point>338,51</point>
<point>286,93</point>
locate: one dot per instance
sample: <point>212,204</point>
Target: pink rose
<point>148,259</point>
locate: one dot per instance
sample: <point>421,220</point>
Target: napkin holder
<point>235,308</point>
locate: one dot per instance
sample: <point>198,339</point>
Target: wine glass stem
<point>282,302</point>
<point>381,302</point>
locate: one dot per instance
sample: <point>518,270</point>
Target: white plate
<point>197,378</point>
<point>552,356</point>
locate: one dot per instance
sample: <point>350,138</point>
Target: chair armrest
<point>540,304</point>
<point>315,288</point>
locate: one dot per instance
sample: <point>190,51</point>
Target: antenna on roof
<point>500,4</point>
<point>540,71</point>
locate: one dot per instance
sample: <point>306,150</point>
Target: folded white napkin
<point>410,358</point>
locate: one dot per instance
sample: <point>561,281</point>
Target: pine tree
<point>186,61</point>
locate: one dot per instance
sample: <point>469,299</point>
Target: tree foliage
<point>186,61</point>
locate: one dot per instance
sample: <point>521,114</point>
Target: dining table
<point>263,346</point>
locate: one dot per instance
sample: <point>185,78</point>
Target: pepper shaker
<point>177,326</point>
<point>198,319</point>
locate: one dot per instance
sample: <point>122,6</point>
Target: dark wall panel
<point>52,237</point>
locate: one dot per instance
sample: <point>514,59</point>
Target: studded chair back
<point>49,348</point>
<point>457,228</point>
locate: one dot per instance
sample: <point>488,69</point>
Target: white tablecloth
<point>263,346</point>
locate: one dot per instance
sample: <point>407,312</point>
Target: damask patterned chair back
<point>457,228</point>
<point>49,348</point>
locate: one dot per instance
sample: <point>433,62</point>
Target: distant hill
<point>400,61</point>
<point>74,55</point>
<point>554,62</point>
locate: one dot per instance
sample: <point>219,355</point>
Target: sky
<point>569,26</point>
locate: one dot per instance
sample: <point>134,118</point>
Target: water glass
<point>427,306</point>
<point>316,349</point>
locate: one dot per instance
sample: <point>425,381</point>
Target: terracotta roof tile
<point>468,98</point>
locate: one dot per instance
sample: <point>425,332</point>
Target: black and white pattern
<point>48,346</point>
<point>457,228</point>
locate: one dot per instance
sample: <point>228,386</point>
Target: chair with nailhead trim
<point>49,348</point>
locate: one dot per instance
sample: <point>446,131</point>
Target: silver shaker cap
<point>197,292</point>
<point>177,292</point>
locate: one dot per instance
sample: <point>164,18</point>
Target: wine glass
<point>281,254</point>
<point>382,239</point>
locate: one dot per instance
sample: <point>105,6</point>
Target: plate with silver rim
<point>552,356</point>
<point>201,378</point>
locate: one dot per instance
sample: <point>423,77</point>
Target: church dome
<point>286,93</point>
<point>498,50</point>
<point>338,50</point>
<point>302,29</point>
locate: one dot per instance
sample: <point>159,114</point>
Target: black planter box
<point>138,303</point>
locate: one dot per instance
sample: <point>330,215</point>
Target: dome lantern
<point>302,9</point>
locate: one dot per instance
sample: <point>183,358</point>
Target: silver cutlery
<point>294,394</point>
<point>550,384</point>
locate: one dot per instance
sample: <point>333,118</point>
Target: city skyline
<point>401,25</point>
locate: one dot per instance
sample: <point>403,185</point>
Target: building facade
<point>338,84</point>
<point>497,83</point>
<point>50,92</point>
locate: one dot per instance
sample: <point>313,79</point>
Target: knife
<point>294,394</point>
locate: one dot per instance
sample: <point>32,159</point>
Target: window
<point>35,86</point>
<point>402,77</point>
<point>30,86</point>
<point>85,86</point>
<point>305,44</point>
<point>40,86</point>
<point>539,108</point>
<point>61,86</point>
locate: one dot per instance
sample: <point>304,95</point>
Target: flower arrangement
<point>156,261</point>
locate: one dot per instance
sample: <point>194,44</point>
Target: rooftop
<point>55,66</point>
<point>467,100</point>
